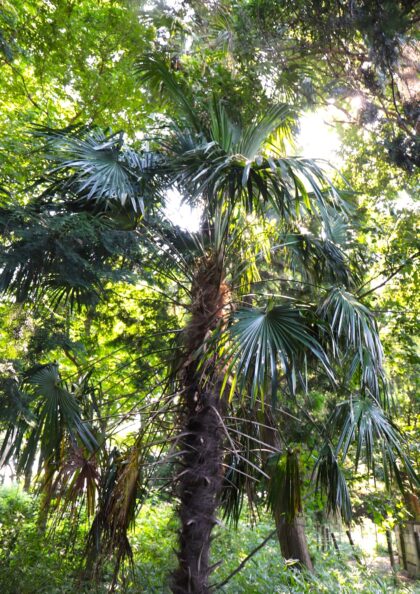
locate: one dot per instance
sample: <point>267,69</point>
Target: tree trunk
<point>390,549</point>
<point>291,534</point>
<point>292,539</point>
<point>200,476</point>
<point>200,485</point>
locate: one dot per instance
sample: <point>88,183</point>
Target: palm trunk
<point>200,476</point>
<point>200,484</point>
<point>290,533</point>
<point>292,540</point>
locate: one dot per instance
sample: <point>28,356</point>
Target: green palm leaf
<point>156,73</point>
<point>59,408</point>
<point>263,339</point>
<point>355,337</point>
<point>257,134</point>
<point>221,159</point>
<point>222,129</point>
<point>363,424</point>
<point>47,416</point>
<point>95,165</point>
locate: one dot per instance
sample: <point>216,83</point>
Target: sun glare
<point>317,139</point>
<point>181,214</point>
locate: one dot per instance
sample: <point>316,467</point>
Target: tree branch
<point>394,273</point>
<point>242,563</point>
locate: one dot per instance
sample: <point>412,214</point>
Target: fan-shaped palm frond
<point>261,339</point>
<point>355,337</point>
<point>55,416</point>
<point>363,424</point>
<point>95,165</point>
<point>337,229</point>
<point>59,408</point>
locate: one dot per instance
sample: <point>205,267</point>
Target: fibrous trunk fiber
<point>290,532</point>
<point>200,484</point>
<point>200,476</point>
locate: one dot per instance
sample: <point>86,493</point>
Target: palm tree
<point>269,223</point>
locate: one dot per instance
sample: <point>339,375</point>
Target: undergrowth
<point>35,563</point>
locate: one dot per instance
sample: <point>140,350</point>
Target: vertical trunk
<point>402,547</point>
<point>292,539</point>
<point>200,476</point>
<point>390,549</point>
<point>200,484</point>
<point>335,543</point>
<point>290,533</point>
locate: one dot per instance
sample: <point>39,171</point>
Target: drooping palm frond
<point>284,488</point>
<point>16,416</point>
<point>100,531</point>
<point>355,338</point>
<point>55,416</point>
<point>330,480</point>
<point>155,72</point>
<point>316,259</point>
<point>128,477</point>
<point>245,477</point>
<point>119,491</point>
<point>362,424</point>
<point>261,339</point>
<point>77,479</point>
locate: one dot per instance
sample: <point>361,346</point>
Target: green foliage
<point>355,339</point>
<point>97,279</point>
<point>261,339</point>
<point>29,561</point>
<point>38,564</point>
